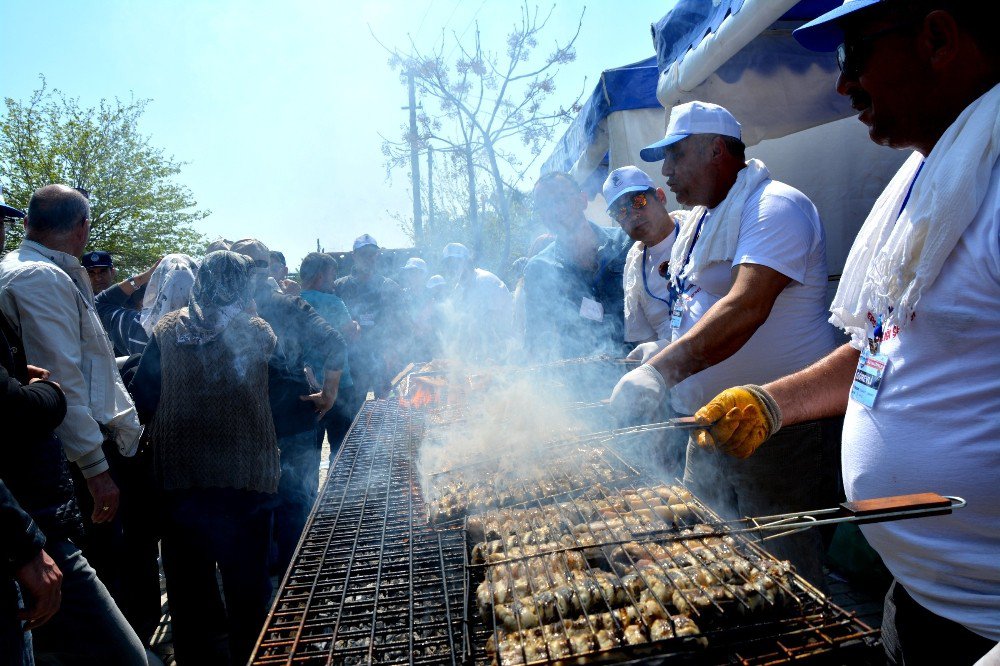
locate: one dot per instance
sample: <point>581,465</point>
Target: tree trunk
<point>503,205</point>
<point>477,234</point>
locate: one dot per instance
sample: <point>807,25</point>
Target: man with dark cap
<point>919,298</point>
<point>100,269</point>
<point>304,338</point>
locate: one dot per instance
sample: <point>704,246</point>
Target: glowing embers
<point>496,484</point>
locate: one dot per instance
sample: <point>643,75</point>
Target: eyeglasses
<point>637,201</point>
<point>853,56</point>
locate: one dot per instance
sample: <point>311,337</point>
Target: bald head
<point>56,210</point>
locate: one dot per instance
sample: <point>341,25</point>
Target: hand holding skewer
<point>740,418</point>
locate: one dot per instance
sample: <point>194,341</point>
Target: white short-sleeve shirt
<point>780,229</point>
<point>647,310</point>
<point>935,426</point>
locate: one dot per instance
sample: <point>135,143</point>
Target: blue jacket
<point>555,289</point>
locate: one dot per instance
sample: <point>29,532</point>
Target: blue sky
<point>277,106</point>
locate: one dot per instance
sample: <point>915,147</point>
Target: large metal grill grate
<point>371,581</point>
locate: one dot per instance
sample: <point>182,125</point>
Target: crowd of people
<point>180,413</point>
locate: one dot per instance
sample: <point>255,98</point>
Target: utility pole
<point>418,232</point>
<point>430,187</point>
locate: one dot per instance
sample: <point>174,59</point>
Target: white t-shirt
<point>780,229</point>
<point>647,315</point>
<point>935,426</point>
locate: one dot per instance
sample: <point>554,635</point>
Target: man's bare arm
<point>727,325</point>
<point>819,391</point>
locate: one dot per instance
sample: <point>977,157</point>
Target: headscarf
<point>222,290</point>
<point>169,288</point>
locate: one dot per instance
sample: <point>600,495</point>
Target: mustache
<point>860,100</point>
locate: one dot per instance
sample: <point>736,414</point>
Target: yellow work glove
<point>742,419</point>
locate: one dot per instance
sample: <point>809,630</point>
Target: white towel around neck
<point>720,234</point>
<point>896,256</point>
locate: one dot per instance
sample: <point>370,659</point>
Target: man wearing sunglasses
<point>747,280</point>
<point>636,204</point>
<point>919,298</point>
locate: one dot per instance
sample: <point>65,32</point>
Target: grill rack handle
<point>877,510</point>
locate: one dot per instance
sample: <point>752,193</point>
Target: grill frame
<point>822,619</point>
<point>324,566</point>
<point>435,563</point>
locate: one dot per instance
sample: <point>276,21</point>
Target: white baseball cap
<point>436,281</point>
<point>626,180</point>
<point>455,251</point>
<point>364,239</point>
<point>415,263</point>
<point>689,119</point>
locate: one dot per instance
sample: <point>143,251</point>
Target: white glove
<point>638,396</point>
<point>647,350</point>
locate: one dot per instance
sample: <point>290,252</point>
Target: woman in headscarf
<point>203,378</point>
<point>167,286</point>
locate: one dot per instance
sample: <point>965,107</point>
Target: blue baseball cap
<point>823,33</point>
<point>690,119</point>
<point>97,259</point>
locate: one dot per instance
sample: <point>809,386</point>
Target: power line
<point>469,25</point>
<point>424,18</point>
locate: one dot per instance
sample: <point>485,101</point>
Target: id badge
<point>591,309</point>
<point>868,377</point>
<point>367,320</point>
<point>676,313</point>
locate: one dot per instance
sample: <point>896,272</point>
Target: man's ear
<point>939,38</point>
<point>661,196</point>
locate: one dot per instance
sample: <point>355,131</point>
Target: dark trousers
<point>15,642</point>
<point>912,635</point>
<point>124,551</point>
<point>297,491</point>
<point>337,421</point>
<point>204,528</point>
<point>796,470</point>
<point>88,629</point>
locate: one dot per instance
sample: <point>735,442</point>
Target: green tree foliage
<point>138,212</point>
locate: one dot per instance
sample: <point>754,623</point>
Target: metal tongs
<point>879,510</point>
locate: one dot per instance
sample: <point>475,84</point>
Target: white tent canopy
<point>740,54</point>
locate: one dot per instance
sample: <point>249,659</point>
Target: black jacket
<point>32,462</point>
<point>20,538</point>
<point>301,332</point>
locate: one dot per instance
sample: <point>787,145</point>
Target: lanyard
<point>645,285</point>
<point>875,341</point>
<point>682,286</point>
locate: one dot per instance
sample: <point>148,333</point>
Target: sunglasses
<point>637,201</point>
<point>853,56</point>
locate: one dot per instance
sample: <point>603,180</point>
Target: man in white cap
<point>482,308</point>
<point>919,298</point>
<point>376,303</point>
<point>748,281</point>
<point>639,207</point>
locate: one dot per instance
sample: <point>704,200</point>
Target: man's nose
<point>845,84</point>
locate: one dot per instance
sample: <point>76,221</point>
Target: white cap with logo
<point>415,263</point>
<point>626,180</point>
<point>689,119</point>
<point>364,239</point>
